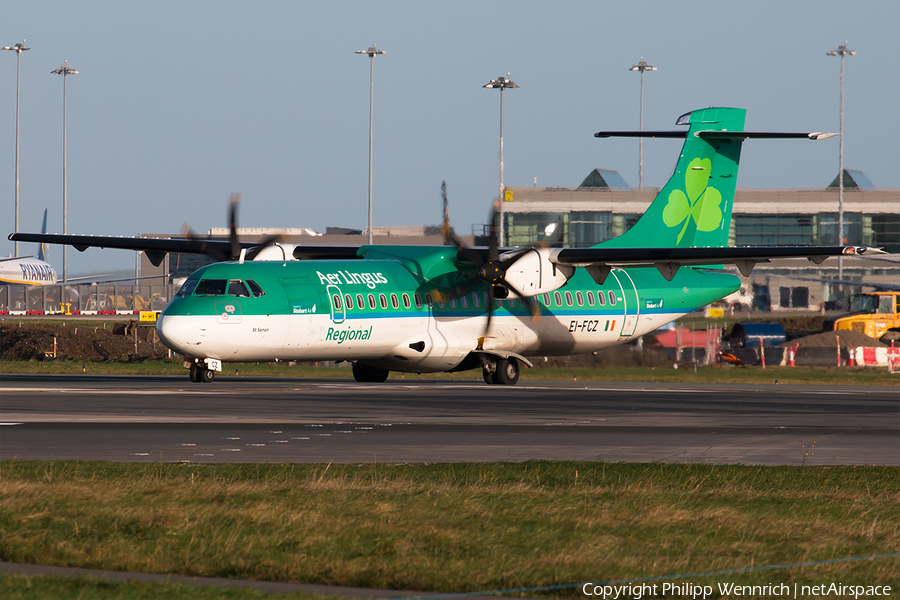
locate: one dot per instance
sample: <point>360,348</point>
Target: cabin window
<point>336,302</point>
<point>568,298</point>
<point>429,300</point>
<point>590,296</point>
<point>601,299</point>
<point>579,298</point>
<point>546,298</point>
<point>612,298</point>
<point>360,302</point>
<point>382,299</point>
<point>405,300</point>
<point>348,302</point>
<point>557,297</point>
<point>211,287</point>
<point>394,301</point>
<point>255,289</point>
<point>371,301</point>
<point>187,287</point>
<point>475,301</point>
<point>417,298</point>
<point>464,301</point>
<point>511,302</point>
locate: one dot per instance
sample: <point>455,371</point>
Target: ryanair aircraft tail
<point>42,248</point>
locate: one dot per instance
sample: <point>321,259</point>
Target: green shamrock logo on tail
<point>700,204</point>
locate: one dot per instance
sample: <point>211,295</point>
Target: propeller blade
<point>232,225</point>
<point>490,310</point>
<point>201,245</point>
<point>445,222</point>
<point>535,311</point>
<point>493,250</point>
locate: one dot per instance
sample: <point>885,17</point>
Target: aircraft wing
<point>157,248</point>
<point>669,260</point>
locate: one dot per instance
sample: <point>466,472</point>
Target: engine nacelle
<point>534,274</point>
<point>279,252</point>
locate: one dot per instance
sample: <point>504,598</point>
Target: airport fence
<point>83,299</point>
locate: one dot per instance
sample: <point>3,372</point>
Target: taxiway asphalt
<point>134,418</point>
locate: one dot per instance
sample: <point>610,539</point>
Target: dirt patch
<point>828,339</point>
<point>20,340</point>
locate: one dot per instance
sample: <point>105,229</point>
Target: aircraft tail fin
<point>694,208</point>
<point>42,248</point>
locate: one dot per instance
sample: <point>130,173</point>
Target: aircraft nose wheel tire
<point>366,374</point>
<point>200,374</point>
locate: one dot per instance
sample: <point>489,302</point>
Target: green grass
<point>781,375</point>
<point>453,528</point>
<point>58,587</point>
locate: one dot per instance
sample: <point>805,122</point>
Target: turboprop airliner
<point>426,309</point>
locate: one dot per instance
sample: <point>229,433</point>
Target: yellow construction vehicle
<point>872,313</point>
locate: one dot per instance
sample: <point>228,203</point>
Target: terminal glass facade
<point>583,229</point>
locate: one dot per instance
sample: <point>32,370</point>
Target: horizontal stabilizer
<point>762,135</point>
<point>719,135</point>
<point>650,134</point>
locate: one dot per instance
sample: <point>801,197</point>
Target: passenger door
<point>631,309</point>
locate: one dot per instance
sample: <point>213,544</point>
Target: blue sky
<point>180,103</point>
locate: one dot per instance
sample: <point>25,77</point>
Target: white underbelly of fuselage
<point>424,344</point>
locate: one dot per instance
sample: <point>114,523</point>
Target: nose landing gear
<point>200,374</point>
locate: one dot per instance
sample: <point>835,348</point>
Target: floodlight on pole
<point>641,66</point>
<point>65,70</point>
<point>841,51</point>
<point>18,49</point>
<point>501,83</point>
<point>372,53</point>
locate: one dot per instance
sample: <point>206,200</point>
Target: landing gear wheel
<point>507,371</point>
<point>489,377</point>
<point>366,374</point>
<point>207,375</point>
<point>195,372</point>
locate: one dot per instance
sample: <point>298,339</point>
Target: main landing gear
<point>503,371</point>
<point>200,374</point>
<point>366,374</point>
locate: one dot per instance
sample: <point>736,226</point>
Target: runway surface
<point>138,419</point>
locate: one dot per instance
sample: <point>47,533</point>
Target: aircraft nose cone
<point>177,333</point>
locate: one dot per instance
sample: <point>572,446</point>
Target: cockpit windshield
<point>187,287</point>
<point>211,287</point>
<point>237,288</point>
<point>221,287</point>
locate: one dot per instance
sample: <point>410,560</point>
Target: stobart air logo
<point>341,336</point>
<point>701,204</point>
